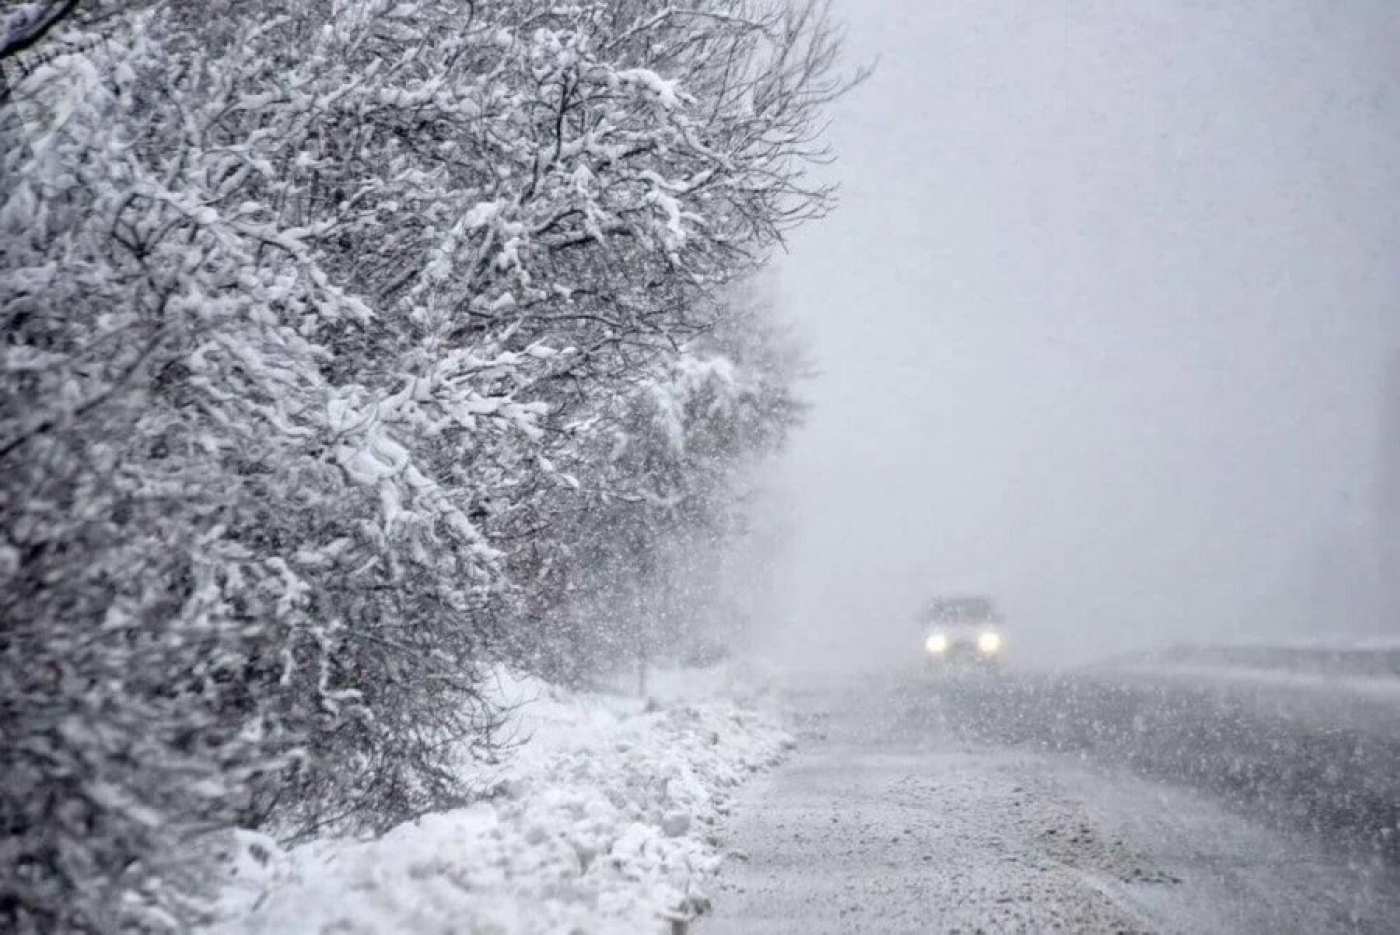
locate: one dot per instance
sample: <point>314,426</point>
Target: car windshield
<point>959,611</point>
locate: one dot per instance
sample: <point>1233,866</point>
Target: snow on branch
<point>347,346</point>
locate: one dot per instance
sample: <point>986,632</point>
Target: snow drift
<point>601,821</point>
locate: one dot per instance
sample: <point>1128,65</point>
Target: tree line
<point>351,346</point>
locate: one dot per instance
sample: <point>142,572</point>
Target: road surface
<point>1130,803</point>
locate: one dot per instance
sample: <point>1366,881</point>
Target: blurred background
<point>1107,326</point>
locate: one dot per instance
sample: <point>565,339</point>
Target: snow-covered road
<point>1029,804</point>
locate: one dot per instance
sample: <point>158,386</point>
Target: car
<point>961,632</point>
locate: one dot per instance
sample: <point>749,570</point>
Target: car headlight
<point>989,642</point>
<point>936,643</point>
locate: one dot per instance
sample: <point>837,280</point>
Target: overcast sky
<point>1101,320</point>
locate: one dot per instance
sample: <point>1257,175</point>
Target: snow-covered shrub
<point>347,345</point>
<point>666,469</point>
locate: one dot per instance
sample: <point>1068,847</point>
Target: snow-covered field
<point>602,821</point>
<point>1366,686</point>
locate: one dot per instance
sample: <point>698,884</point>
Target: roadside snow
<point>1375,687</point>
<point>601,822</point>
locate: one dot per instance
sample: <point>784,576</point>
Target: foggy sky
<point>1101,323</point>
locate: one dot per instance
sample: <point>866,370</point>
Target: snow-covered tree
<point>347,347</point>
<point>664,482</point>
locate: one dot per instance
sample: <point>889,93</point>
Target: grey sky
<point>1101,319</point>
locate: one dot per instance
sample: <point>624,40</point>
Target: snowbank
<point>601,822</point>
